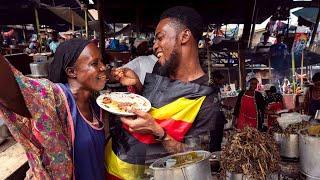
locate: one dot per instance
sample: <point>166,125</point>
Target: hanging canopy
<point>309,14</point>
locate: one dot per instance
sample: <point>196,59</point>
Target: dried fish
<point>291,129</point>
<point>252,153</point>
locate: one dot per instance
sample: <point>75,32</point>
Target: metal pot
<point>4,132</point>
<point>197,170</point>
<point>277,137</point>
<point>39,68</point>
<point>289,144</point>
<point>309,155</point>
<point>240,176</point>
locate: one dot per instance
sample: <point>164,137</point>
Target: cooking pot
<point>39,68</point>
<point>309,155</point>
<point>241,176</point>
<point>289,144</point>
<point>165,168</point>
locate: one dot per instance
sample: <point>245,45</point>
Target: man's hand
<point>144,123</point>
<point>127,77</point>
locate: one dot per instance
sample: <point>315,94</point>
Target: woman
<point>274,103</point>
<point>312,96</point>
<point>59,125</point>
<point>250,106</point>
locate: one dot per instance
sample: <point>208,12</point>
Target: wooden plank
<point>11,160</point>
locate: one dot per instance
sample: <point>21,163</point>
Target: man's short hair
<point>188,17</point>
<point>316,77</point>
<point>217,74</point>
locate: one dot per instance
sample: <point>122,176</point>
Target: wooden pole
<point>38,26</point>
<point>72,19</point>
<point>254,21</point>
<point>209,57</point>
<point>86,21</point>
<point>293,70</point>
<point>245,43</point>
<point>102,42</point>
<point>301,78</point>
<point>315,28</point>
<point>24,33</point>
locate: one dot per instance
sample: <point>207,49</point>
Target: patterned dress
<point>46,137</point>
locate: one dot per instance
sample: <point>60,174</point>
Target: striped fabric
<point>176,118</point>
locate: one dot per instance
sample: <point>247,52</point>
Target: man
<point>185,108</point>
<point>55,42</point>
<point>144,63</point>
<point>264,46</point>
<point>278,58</point>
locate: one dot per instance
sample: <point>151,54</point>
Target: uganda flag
<point>175,108</point>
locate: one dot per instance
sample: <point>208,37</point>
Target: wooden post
<point>209,57</point>
<point>102,42</point>
<point>72,19</point>
<point>245,43</point>
<point>302,59</point>
<point>293,70</point>
<point>315,28</point>
<point>24,33</point>
<point>254,21</point>
<point>38,26</point>
<point>86,21</point>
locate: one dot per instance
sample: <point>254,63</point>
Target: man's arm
<point>10,94</point>
<point>145,123</point>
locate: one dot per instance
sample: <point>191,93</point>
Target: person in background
<point>274,103</point>
<point>216,135</point>
<point>144,63</point>
<point>218,81</point>
<point>58,122</point>
<point>250,107</point>
<point>54,42</point>
<point>278,58</point>
<point>264,45</point>
<point>286,87</point>
<point>311,101</point>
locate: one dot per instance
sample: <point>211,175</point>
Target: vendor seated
<point>274,103</point>
<point>312,96</point>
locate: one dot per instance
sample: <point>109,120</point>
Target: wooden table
<point>12,159</point>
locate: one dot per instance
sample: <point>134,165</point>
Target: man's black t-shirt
<point>206,118</point>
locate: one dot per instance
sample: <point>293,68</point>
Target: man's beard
<point>170,66</point>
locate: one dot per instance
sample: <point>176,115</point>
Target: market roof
<point>214,11</point>
<point>309,14</point>
<point>22,12</point>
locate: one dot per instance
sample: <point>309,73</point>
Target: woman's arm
<point>10,94</point>
<point>306,100</point>
<point>238,104</point>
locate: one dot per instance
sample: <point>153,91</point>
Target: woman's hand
<point>127,77</point>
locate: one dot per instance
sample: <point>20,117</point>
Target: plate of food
<point>120,103</point>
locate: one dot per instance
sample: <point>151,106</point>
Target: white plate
<point>140,102</point>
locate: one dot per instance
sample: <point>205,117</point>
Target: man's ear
<point>71,72</point>
<point>185,36</point>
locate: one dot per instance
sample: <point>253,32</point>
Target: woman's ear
<point>71,72</point>
<point>186,36</point>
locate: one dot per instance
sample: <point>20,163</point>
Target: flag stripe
<point>176,129</point>
<point>181,109</point>
<point>119,168</point>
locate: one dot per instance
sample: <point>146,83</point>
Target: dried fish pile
<point>252,153</point>
<point>291,129</point>
<point>275,128</point>
<point>295,128</point>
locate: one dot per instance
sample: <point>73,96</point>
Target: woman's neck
<point>80,94</point>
